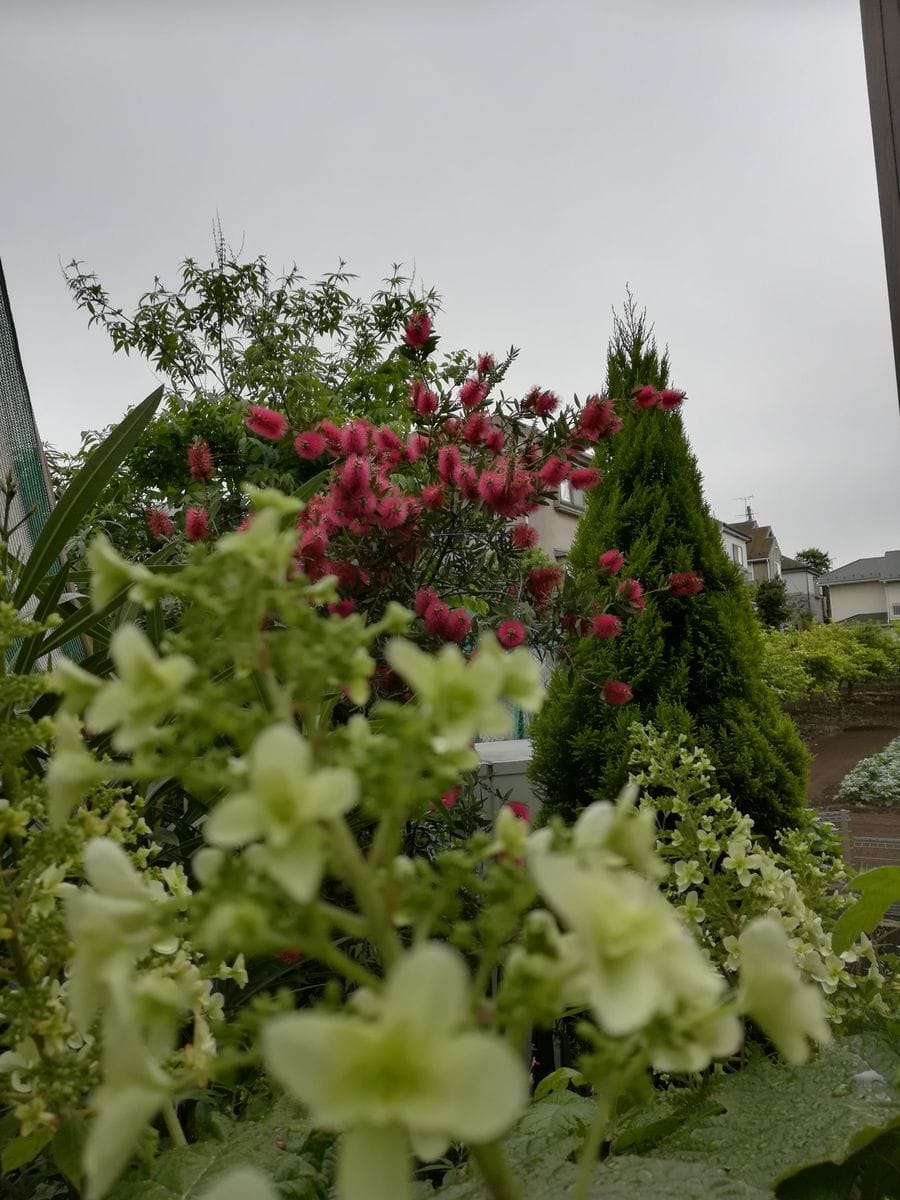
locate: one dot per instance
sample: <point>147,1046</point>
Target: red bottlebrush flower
<point>598,419</point>
<point>523,537</point>
<point>449,463</point>
<point>457,625</point>
<point>612,561</point>
<point>332,436</point>
<point>200,460</point>
<point>615,692</point>
<point>423,401</point>
<point>541,582</point>
<point>418,329</point>
<point>467,482</point>
<point>159,523</point>
<point>425,597</point>
<point>669,399</point>
<point>545,404</point>
<point>355,476</point>
<point>416,445</point>
<point>554,471</point>
<point>313,543</point>
<point>343,608</point>
<point>451,427</point>
<point>475,428</point>
<point>585,477</point>
<point>387,442</point>
<point>685,583</point>
<point>309,445</point>
<point>472,392</point>
<point>196,524</point>
<point>354,438</point>
<point>520,810</point>
<point>435,618</point>
<point>632,594</point>
<point>645,397</point>
<point>605,625</point>
<point>393,511</point>
<point>510,634</point>
<point>265,422</point>
<point>495,439</point>
<point>433,496</point>
<point>449,799</point>
<point>289,956</point>
<point>568,621</point>
<point>485,364</point>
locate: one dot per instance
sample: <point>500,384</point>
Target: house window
<point>737,553</point>
<point>570,496</point>
<point>895,610</point>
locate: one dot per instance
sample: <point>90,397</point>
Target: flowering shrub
<point>875,780</point>
<point>301,827</point>
<point>723,875</point>
<point>823,659</point>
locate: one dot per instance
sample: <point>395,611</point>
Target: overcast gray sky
<point>528,157</point>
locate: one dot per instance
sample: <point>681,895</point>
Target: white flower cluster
<point>723,876</point>
<point>875,780</point>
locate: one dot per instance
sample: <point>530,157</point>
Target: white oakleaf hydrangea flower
<point>286,807</point>
<point>464,698</point>
<point>407,1074</point>
<point>639,960</point>
<point>619,835</point>
<point>72,771</point>
<point>511,834</point>
<point>112,923</point>
<point>739,860</point>
<point>788,1011</point>
<point>147,689</point>
<point>688,874</point>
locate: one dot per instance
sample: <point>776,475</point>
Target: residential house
<point>736,544</point>
<point>865,590</point>
<point>556,522</point>
<point>763,552</point>
<point>803,587</point>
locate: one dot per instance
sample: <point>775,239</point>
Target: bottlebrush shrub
<point>300,846</point>
<point>722,875</point>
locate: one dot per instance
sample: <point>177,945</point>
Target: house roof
<point>727,527</point>
<point>793,564</point>
<point>866,570</point>
<point>762,539</point>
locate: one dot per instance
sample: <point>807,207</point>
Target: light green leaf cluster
<point>723,876</point>
<point>875,780</point>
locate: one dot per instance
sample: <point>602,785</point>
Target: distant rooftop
<point>866,570</point>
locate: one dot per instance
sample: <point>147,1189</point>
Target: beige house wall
<point>555,529</point>
<point>852,599</point>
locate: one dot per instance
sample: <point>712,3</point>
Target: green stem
<point>492,1163</point>
<point>173,1125</point>
<point>590,1151</point>
<point>367,896</point>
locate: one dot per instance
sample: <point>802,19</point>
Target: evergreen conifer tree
<point>694,663</point>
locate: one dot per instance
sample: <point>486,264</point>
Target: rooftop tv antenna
<point>747,508</point>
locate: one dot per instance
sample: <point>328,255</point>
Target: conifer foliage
<point>693,665</point>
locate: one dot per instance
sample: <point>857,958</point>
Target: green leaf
<point>282,1146</point>
<point>878,889</point>
<point>558,1081</point>
<point>83,490</point>
<point>312,486</point>
<point>67,1147</point>
<point>23,1150</point>
<point>30,651</point>
<point>779,1120</point>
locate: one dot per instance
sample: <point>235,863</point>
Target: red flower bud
<point>418,329</point>
<point>615,692</point>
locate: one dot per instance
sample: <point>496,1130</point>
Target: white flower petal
<point>427,990</point>
<point>122,1115</point>
<point>109,869</point>
<point>234,821</point>
<point>297,866</point>
<point>482,1089</point>
<point>243,1184</point>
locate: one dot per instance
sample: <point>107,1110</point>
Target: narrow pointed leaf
<point>82,492</point>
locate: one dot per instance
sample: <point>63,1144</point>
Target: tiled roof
<point>761,538</point>
<point>866,570</point>
<point>792,564</point>
<point>730,527</point>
